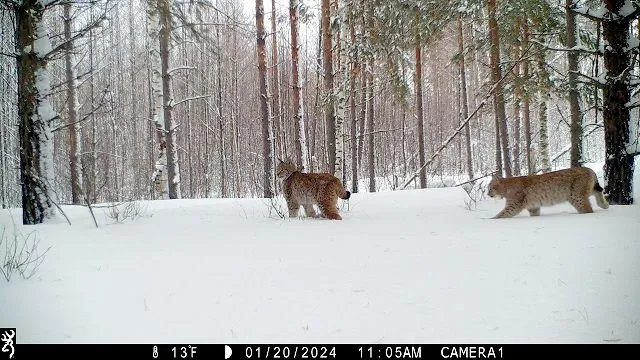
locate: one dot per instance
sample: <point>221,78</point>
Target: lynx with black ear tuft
<point>307,190</point>
<point>574,185</point>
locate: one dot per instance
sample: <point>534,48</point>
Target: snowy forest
<point>118,100</point>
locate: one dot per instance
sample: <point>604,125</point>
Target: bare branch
<point>181,68</point>
<point>78,35</point>
<point>374,132</point>
<point>189,99</point>
<point>465,122</point>
<point>9,55</point>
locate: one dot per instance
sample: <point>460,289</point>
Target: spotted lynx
<point>574,185</point>
<point>307,189</point>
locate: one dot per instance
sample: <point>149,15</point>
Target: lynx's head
<point>496,186</point>
<point>285,168</point>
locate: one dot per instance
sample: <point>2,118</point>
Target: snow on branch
<point>595,15</point>
<point>601,13</point>
<point>181,68</point>
<point>577,48</point>
<point>189,99</point>
<point>600,81</point>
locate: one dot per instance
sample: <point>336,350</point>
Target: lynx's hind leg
<point>579,198</point>
<point>511,209</point>
<point>310,211</point>
<point>534,211</point>
<point>329,209</point>
<point>331,214</point>
<point>328,204</point>
<point>582,205</point>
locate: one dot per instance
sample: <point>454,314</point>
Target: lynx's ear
<point>496,176</point>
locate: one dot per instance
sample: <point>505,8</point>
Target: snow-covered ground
<point>409,266</point>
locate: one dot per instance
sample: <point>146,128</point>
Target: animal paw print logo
<point>8,338</point>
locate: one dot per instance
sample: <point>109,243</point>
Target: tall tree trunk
<point>224,192</point>
<point>572,69</point>
<point>517,98</point>
<point>327,65</point>
<point>138,157</point>
<point>498,95</point>
<point>526,106</point>
<point>301,153</point>
<point>151,48</point>
<point>267,135</point>
<point>355,70</point>
<point>543,96</point>
<point>173,172</point>
<point>341,105</point>
<point>189,141</point>
<point>498,148</point>
<point>72,111</point>
<point>279,133</point>
<point>370,135</point>
<point>464,100</point>
<point>92,116</point>
<point>619,159</point>
<point>236,117</point>
<point>35,113</point>
<point>420,112</point>
<point>363,110</point>
<point>160,173</point>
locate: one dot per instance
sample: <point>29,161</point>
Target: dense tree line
<point>111,100</point>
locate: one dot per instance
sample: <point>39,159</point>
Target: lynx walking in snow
<point>304,189</point>
<point>574,185</point>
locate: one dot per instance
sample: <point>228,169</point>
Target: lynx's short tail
<point>600,199</point>
<point>346,194</point>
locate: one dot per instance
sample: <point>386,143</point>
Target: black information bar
<point>323,351</point>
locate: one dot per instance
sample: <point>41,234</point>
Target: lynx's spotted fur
<point>574,185</point>
<point>304,189</point>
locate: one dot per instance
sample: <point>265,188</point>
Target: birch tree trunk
<point>173,172</point>
<point>35,114</point>
<point>301,152</point>
<point>267,135</point>
<point>160,174</point>
<point>72,111</point>
<point>341,106</point>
